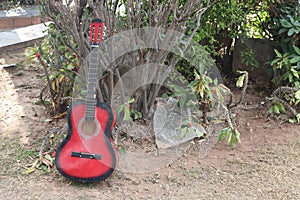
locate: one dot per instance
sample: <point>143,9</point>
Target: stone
<point>263,50</point>
<point>168,121</point>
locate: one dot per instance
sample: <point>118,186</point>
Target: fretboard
<point>92,85</point>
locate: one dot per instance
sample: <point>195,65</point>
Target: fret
<point>93,61</point>
<point>93,76</point>
<point>89,109</point>
<point>90,105</point>
<point>89,118</point>
<point>91,101</point>
<point>91,86</point>
<point>91,89</point>
<point>90,112</point>
<point>93,64</point>
<point>93,71</point>
<point>92,80</point>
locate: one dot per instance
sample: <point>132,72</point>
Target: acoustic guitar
<point>87,153</point>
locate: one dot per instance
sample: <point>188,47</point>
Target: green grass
<point>15,157</point>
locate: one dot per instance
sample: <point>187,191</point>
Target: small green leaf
<point>37,103</point>
<point>122,150</point>
<point>276,60</point>
<point>278,53</point>
<point>30,170</point>
<point>297,94</point>
<point>296,23</point>
<point>198,133</point>
<point>291,77</point>
<point>240,81</point>
<point>178,89</point>
<point>232,143</point>
<point>271,109</point>
<point>229,136</point>
<point>237,135</point>
<point>296,73</point>
<point>164,95</point>
<point>137,114</point>
<point>48,157</point>
<point>291,32</point>
<point>131,100</point>
<point>183,132</point>
<point>297,50</point>
<point>276,109</point>
<point>292,120</point>
<point>281,108</point>
<point>223,133</point>
<point>285,23</point>
<point>298,117</point>
<point>295,59</point>
<point>44,167</point>
<point>120,108</point>
<point>282,30</point>
<point>127,113</point>
<point>182,100</point>
<point>292,20</point>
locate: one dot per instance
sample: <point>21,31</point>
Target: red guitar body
<point>92,157</point>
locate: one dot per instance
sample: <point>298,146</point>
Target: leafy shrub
<point>287,61</point>
<point>60,66</point>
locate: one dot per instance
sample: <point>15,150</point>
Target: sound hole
<point>88,129</point>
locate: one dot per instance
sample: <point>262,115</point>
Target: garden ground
<point>266,165</point>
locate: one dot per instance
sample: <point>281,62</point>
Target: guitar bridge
<point>87,155</point>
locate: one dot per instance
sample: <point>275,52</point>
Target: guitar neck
<point>92,85</point>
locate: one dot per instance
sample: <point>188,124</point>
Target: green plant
<point>248,57</point>
<point>231,133</point>
<point>129,114</point>
<point>289,64</point>
<point>59,73</point>
<point>203,94</point>
<point>285,99</point>
<point>277,108</point>
<point>188,127</point>
<point>232,136</point>
<point>286,64</point>
<point>287,61</point>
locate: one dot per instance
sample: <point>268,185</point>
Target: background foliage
<point>215,25</point>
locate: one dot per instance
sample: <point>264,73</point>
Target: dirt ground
<point>266,165</point>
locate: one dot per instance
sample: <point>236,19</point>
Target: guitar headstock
<point>96,31</point>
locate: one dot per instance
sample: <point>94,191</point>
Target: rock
<point>263,53</point>
<point>167,123</point>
